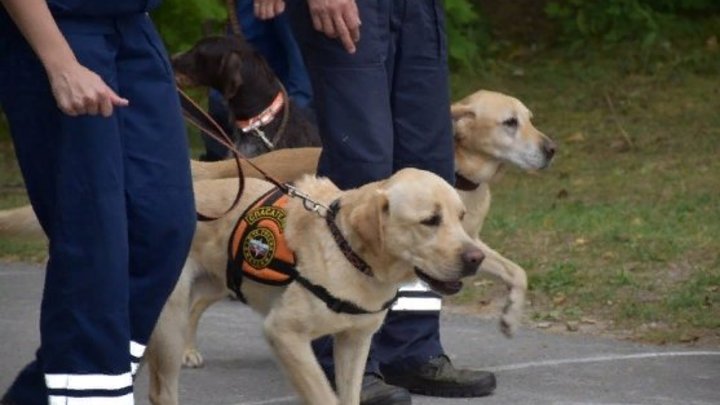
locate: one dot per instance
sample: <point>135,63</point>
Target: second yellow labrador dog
<point>350,263</point>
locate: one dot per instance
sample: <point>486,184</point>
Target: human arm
<point>335,18</point>
<point>76,89</point>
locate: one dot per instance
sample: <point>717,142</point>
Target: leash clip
<point>261,134</point>
<point>308,203</point>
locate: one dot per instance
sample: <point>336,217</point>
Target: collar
<point>465,184</point>
<point>265,117</point>
<point>342,243</point>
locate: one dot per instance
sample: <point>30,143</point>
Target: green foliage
<point>181,22</point>
<point>466,32</point>
<point>613,21</point>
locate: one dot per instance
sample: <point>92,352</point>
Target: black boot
<point>439,378</point>
<point>375,391</point>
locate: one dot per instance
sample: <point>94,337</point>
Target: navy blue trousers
<point>114,196</point>
<point>382,109</point>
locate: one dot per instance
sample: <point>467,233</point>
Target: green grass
<point>624,227</point>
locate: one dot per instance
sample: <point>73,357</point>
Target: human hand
<point>337,19</point>
<point>267,9</point>
<point>79,91</point>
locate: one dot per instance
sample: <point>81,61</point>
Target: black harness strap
<point>336,304</point>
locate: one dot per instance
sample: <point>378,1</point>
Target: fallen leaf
<point>576,137</point>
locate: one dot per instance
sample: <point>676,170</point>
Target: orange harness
<point>257,248</point>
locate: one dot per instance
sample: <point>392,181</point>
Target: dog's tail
<point>20,223</point>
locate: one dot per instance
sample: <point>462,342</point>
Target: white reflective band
<point>134,367</point>
<point>126,399</point>
<point>136,349</point>
<point>416,286</point>
<point>88,381</point>
<point>417,304</point>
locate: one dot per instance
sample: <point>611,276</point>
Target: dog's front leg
<point>295,353</point>
<point>350,354</point>
<point>515,278</point>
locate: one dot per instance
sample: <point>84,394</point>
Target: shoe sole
<point>474,391</point>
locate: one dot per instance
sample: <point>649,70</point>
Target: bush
<point>613,21</point>
<point>182,22</point>
<point>466,33</point>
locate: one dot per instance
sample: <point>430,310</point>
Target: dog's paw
<point>192,358</point>
<point>507,326</point>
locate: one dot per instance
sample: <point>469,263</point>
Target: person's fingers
<point>352,21</point>
<point>267,10</point>
<point>317,22</point>
<point>279,7</point>
<point>65,105</point>
<point>91,103</point>
<point>118,101</point>
<point>328,27</point>
<point>106,106</point>
<point>343,33</point>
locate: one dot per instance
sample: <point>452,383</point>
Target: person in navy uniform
<point>95,120</point>
<point>379,76</point>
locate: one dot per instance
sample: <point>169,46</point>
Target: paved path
<point>534,368</point>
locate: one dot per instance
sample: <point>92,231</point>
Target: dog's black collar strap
<point>342,243</point>
<point>465,184</point>
<point>336,304</point>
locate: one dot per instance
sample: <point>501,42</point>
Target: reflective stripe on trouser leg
<point>136,352</point>
<point>417,297</point>
<point>89,389</point>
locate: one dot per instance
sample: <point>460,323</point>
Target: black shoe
<point>439,378</point>
<point>375,391</point>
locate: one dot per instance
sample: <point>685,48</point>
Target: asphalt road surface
<point>533,368</point>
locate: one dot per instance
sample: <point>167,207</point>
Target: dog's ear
<point>462,116</point>
<point>230,72</point>
<point>368,220</point>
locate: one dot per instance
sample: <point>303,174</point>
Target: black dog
<point>262,117</point>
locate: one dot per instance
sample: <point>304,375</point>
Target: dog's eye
<point>511,122</point>
<point>432,221</point>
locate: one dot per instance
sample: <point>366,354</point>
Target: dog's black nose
<point>549,149</point>
<point>471,259</point>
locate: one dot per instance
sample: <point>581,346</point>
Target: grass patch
<point>625,226</point>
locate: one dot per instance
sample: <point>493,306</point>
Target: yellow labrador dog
<point>351,260</point>
<point>491,130</point>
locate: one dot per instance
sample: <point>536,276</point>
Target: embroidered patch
<point>257,247</point>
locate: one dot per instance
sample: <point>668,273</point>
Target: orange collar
<point>265,117</point>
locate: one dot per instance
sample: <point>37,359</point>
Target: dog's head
<point>221,62</point>
<point>414,218</point>
<point>494,126</point>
